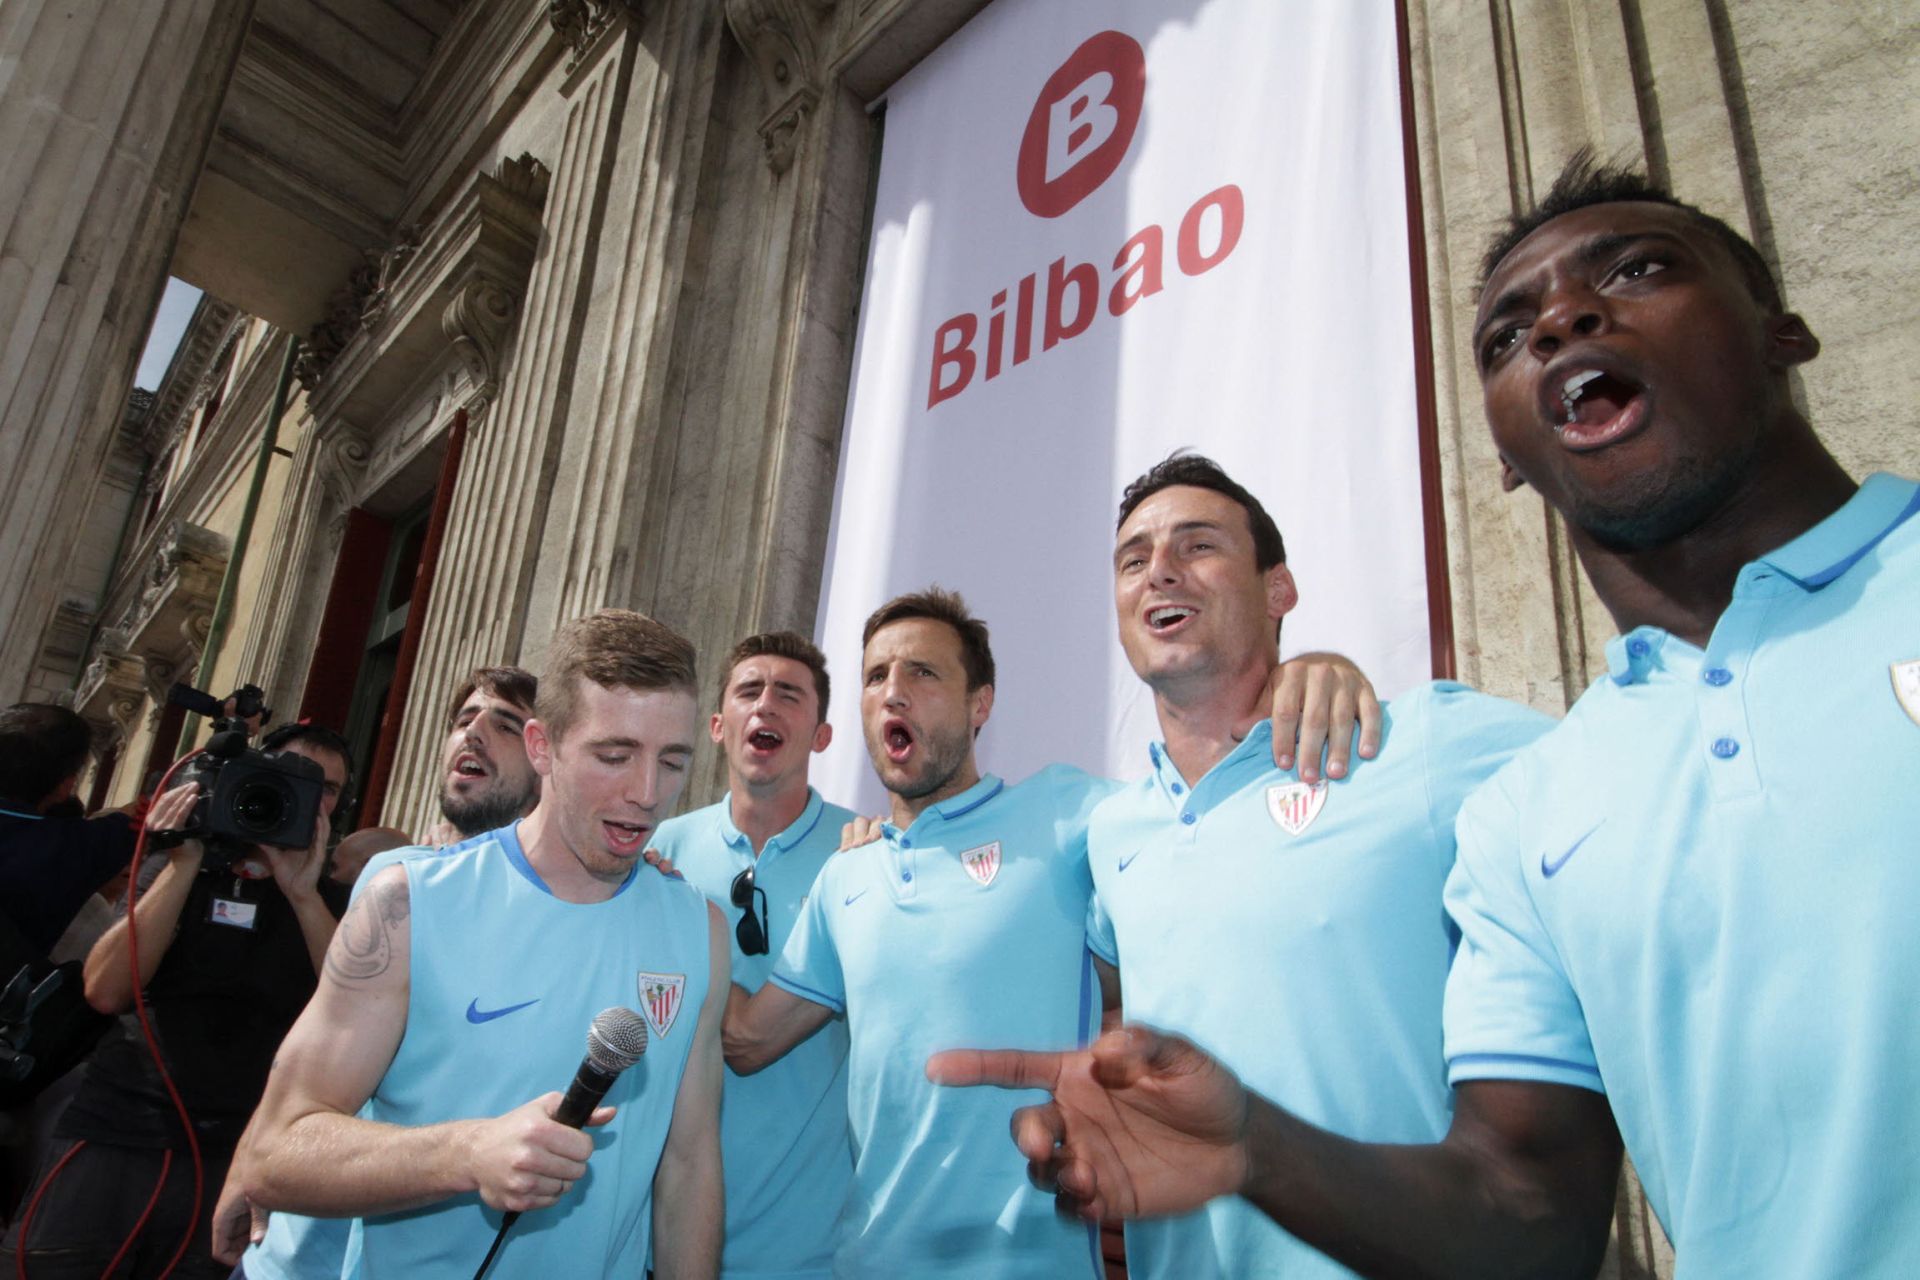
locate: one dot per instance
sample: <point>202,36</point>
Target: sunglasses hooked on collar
<point>751,933</point>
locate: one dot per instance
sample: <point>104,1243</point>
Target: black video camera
<point>247,797</point>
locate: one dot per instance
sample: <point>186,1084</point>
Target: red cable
<point>26,1219</point>
<point>166,1163</point>
<point>153,1048</point>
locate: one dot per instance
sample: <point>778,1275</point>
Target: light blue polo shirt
<point>1296,933</point>
<point>967,929</point>
<point>1699,896</point>
<point>783,1131</point>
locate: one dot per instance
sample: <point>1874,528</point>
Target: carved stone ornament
<point>581,23</point>
<point>476,321</point>
<point>456,282</point>
<point>110,692</point>
<point>524,177</point>
<point>340,461</point>
<point>360,304</point>
<point>168,620</point>
<point>326,340</point>
<point>786,39</point>
<point>388,267</point>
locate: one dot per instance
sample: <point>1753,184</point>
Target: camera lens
<point>260,805</point>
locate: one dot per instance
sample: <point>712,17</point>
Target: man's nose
<point>1569,311</point>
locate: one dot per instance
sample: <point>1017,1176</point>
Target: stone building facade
<point>574,283</point>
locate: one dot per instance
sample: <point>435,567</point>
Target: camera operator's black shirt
<point>49,867</point>
<point>220,1003</point>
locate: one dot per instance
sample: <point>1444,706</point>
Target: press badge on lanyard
<point>233,912</point>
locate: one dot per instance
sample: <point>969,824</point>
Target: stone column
<point>479,602</point>
<point>695,481</point>
<point>107,108</point>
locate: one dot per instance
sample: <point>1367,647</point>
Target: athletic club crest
<point>983,864</point>
<point>660,995</point>
<point>1906,687</point>
<point>1295,805</point>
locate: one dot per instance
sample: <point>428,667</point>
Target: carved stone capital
<point>786,40</point>
<point>581,23</point>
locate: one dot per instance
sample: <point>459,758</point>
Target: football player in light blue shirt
<point>485,783</point>
<point>966,920</point>
<point>1292,929</point>
<point>755,854</point>
<point>1687,909</point>
<point>524,935</point>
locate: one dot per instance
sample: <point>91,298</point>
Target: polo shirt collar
<point>1811,561</point>
<point>801,828</point>
<point>1821,554</point>
<point>953,807</point>
<point>1224,777</point>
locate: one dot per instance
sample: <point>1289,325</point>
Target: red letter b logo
<point>1082,125</point>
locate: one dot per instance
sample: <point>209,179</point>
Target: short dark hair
<point>1584,182</point>
<point>1201,472</point>
<point>615,649</point>
<point>781,644</point>
<point>945,606</point>
<point>510,684</point>
<point>41,746</point>
<point>317,736</point>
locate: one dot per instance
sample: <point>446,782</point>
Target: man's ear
<point>539,747</point>
<point>982,707</point>
<point>822,736</point>
<point>1509,478</point>
<point>1282,594</point>
<point>1789,341</point>
<point>713,728</point>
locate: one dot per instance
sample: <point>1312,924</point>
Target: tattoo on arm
<point>362,949</point>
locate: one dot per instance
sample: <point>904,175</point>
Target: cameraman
<point>227,958</point>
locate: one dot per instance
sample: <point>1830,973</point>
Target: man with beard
<point>965,921</point>
<point>486,780</point>
<point>1670,923</point>
<point>755,853</point>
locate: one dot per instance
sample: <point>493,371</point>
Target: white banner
<point>1105,230</point>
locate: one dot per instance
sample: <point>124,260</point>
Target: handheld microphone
<point>615,1042</point>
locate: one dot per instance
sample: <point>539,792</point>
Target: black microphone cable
<point>615,1042</point>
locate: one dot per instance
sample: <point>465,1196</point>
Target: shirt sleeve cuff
<point>1523,1066</point>
<point>805,992</point>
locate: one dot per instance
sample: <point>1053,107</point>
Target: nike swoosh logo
<point>1128,860</point>
<point>1550,868</point>
<point>853,897</point>
<point>476,1015</point>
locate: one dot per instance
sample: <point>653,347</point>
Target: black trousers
<point>92,1204</point>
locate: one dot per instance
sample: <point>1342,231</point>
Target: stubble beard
<point>493,808</point>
